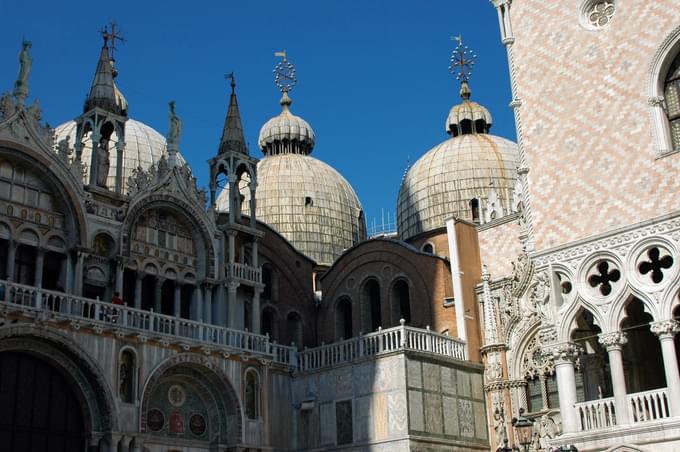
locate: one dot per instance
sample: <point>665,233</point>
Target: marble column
<point>207,302</point>
<point>11,259</point>
<point>119,165</point>
<point>256,312</point>
<point>177,311</point>
<point>39,266</point>
<point>666,331</point>
<point>235,314</point>
<point>68,273</point>
<point>138,290</point>
<point>614,342</point>
<point>120,270</point>
<point>198,303</point>
<point>564,355</point>
<point>78,283</point>
<point>157,303</point>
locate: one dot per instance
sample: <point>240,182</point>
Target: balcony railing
<point>648,405</point>
<point>381,342</point>
<point>596,414</point>
<point>244,272</point>
<point>106,316</point>
<point>642,407</point>
<point>102,316</point>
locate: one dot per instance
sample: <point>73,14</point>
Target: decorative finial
<point>174,134</point>
<point>110,38</point>
<point>25,63</point>
<point>232,77</point>
<point>462,61</point>
<point>284,73</point>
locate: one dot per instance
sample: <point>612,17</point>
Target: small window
<point>466,126</point>
<point>343,422</point>
<point>309,202</point>
<point>252,395</point>
<point>127,377</point>
<point>428,248</point>
<point>474,210</point>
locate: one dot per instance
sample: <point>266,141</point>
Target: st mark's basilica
<point>528,297</point>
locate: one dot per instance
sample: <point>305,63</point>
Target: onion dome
<point>456,177</point>
<point>144,147</point>
<point>301,197</point>
<point>286,133</point>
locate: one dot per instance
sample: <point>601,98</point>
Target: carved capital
<point>565,352</point>
<point>665,329</point>
<point>613,341</point>
<point>655,101</point>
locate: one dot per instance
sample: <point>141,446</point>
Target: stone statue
<point>541,297</point>
<point>25,62</point>
<point>64,150</point>
<point>7,107</point>
<point>545,429</point>
<point>103,162</point>
<point>499,427</point>
<point>175,131</point>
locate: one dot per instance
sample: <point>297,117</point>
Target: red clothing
<point>117,300</point>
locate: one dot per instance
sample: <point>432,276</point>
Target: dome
<point>444,181</point>
<point>143,147</point>
<point>309,203</point>
<point>286,130</point>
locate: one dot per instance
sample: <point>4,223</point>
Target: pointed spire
<point>232,134</point>
<point>103,92</point>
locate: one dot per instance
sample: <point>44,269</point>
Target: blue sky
<point>373,76</point>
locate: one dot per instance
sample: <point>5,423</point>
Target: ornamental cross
<point>656,264</point>
<point>604,278</point>
<point>462,60</point>
<point>284,73</point>
<point>110,37</point>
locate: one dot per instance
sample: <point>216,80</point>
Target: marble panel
<point>415,378</point>
<point>362,424</point>
<point>465,415</point>
<point>396,413</point>
<point>431,377</point>
<point>415,411</point>
<point>450,407</point>
<point>463,383</point>
<point>327,423</point>
<point>433,412</point>
<point>480,420</point>
<point>448,380</point>
<point>477,386</point>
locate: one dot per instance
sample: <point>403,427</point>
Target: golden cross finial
<point>281,54</point>
<point>462,60</point>
<point>110,37</point>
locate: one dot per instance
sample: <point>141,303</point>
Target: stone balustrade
<point>244,272</point>
<point>389,340</point>
<point>648,405</point>
<point>596,414</point>
<point>121,319</point>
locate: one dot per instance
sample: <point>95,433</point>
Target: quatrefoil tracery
<point>655,265</point>
<point>604,278</point>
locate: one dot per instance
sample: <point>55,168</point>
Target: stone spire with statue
<point>25,63</point>
<point>174,135</point>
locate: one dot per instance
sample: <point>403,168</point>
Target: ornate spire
<point>21,84</point>
<point>174,135</point>
<point>462,61</point>
<point>232,134</point>
<point>103,92</point>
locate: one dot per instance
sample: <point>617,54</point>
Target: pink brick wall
<point>499,247</point>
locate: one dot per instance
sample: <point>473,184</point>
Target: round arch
<point>81,372</point>
<point>69,191</point>
<point>190,213</point>
<point>205,378</point>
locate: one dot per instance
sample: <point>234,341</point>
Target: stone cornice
<point>504,384</point>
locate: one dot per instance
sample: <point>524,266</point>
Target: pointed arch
<point>658,70</point>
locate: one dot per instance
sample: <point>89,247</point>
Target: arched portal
<point>38,408</point>
<point>186,400</point>
<point>370,306</point>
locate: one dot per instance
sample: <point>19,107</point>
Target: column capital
<point>232,286</point>
<point>208,284</point>
<point>665,328</point>
<point>160,280</point>
<point>563,353</point>
<point>613,341</point>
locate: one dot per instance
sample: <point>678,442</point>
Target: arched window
<point>672,97</point>
<point>267,281</point>
<point>370,306</point>
<point>294,329</point>
<point>428,248</point>
<point>127,376</point>
<point>268,323</point>
<point>400,302</point>
<point>474,209</point>
<point>252,394</point>
<point>343,319</point>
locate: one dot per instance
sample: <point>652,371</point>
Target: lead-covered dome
<point>455,178</point>
<point>301,197</point>
<point>144,147</point>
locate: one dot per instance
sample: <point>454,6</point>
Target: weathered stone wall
<point>399,402</point>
